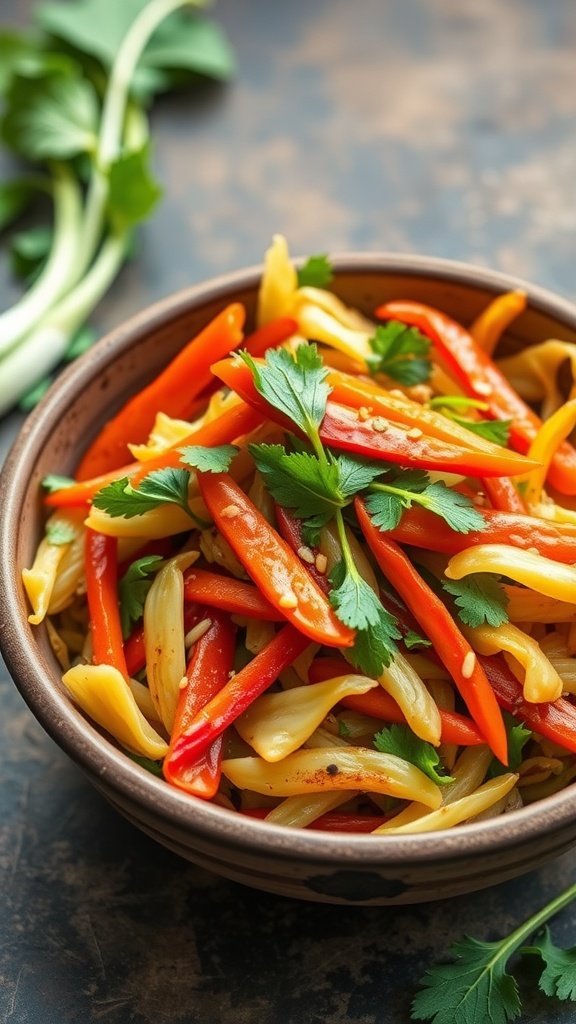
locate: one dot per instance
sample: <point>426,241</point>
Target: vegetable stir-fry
<point>324,573</point>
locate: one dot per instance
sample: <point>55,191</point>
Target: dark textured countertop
<point>431,126</point>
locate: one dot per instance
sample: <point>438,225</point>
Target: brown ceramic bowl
<point>311,865</point>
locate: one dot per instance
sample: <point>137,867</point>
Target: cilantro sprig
<point>161,487</point>
<point>401,489</point>
<point>133,588</point>
<point>400,352</point>
<point>497,431</point>
<point>480,599</point>
<point>401,741</point>
<point>315,272</point>
<point>476,987</point>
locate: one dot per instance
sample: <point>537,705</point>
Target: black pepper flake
<point>332,769</point>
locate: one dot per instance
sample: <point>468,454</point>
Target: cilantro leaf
<point>357,606</point>
<point>160,487</point>
<point>208,460</point>
<point>387,501</point>
<point>480,599</point>
<point>53,482</point>
<point>316,272</point>
<point>518,736</point>
<point>356,473</point>
<point>398,353</point>
<point>412,639</point>
<point>497,431</point>
<point>401,741</point>
<point>559,975</point>
<point>133,587</point>
<point>59,532</point>
<point>299,481</point>
<point>154,767</point>
<point>473,990</point>
<point>294,384</point>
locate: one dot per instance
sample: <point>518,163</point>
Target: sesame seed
<point>533,551</point>
<point>306,554</point>
<point>230,512</point>
<point>379,424</point>
<point>397,393</point>
<point>482,387</point>
<point>364,412</point>
<point>321,562</point>
<point>414,433</point>
<point>288,600</point>
<point>183,683</point>
<point>468,665</point>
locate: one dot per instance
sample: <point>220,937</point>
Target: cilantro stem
<point>345,545</point>
<point>54,279</point>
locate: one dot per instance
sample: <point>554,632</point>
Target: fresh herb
<point>356,604</point>
<point>497,431</point>
<point>400,352</point>
<point>344,730</point>
<point>412,640</point>
<point>402,742</point>
<point>518,736</point>
<point>480,599</point>
<point>161,487</point>
<point>154,767</point>
<point>316,272</point>
<point>75,94</point>
<point>53,482</point>
<point>208,460</point>
<point>476,988</point>
<point>59,532</point>
<point>133,587</point>
<point>388,499</point>
<point>295,385</point>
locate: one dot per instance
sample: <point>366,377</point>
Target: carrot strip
<point>102,594</point>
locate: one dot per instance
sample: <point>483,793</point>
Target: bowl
<point>311,865</point>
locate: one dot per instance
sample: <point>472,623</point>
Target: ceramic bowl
<point>308,864</point>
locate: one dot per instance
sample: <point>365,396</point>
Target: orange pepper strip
<point>271,563</point>
<point>208,670</point>
<point>229,594</point>
<point>172,391</point>
<point>342,428</point>
<point>102,593</point>
<point>435,619</point>
<point>233,423</point>
<point>480,377</point>
<point>377,703</point>
<point>270,335</point>
<point>503,494</point>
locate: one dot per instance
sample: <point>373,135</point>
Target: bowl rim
<point>97,756</point>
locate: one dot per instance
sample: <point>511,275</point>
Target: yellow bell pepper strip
<point>233,423</point>
<point>236,696</point>
<point>422,529</point>
<point>270,562</point>
<point>451,645</point>
<point>545,575</point>
<point>229,594</point>
<point>456,728</point>
<point>479,377</point>
<point>208,670</point>
<point>541,680</point>
<point>555,720</point>
<point>172,391</point>
<point>377,437</point>
<point>102,594</point>
<point>546,442</point>
<point>490,325</point>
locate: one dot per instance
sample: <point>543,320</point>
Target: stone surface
<point>431,127</point>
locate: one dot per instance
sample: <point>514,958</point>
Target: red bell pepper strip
<point>134,649</point>
<point>333,821</point>
<point>208,670</point>
<point>271,563</point>
<point>290,528</point>
<point>435,619</point>
<point>237,695</point>
<point>479,377</point>
<point>233,423</point>
<point>378,437</point>
<point>101,563</point>
<point>270,335</point>
<point>172,391</point>
<point>503,494</point>
<point>556,720</point>
<point>456,728</point>
<point>229,594</point>
<point>422,529</point>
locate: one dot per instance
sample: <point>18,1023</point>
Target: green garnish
<point>402,742</point>
<point>133,588</point>
<point>480,599</point>
<point>316,272</point>
<point>400,352</point>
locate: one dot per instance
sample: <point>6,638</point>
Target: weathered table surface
<point>433,127</point>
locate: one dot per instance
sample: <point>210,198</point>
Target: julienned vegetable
<point>310,580</point>
<point>74,96</point>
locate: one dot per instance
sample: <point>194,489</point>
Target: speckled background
<point>436,126</point>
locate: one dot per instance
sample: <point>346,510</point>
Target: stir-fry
<point>324,572</point>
